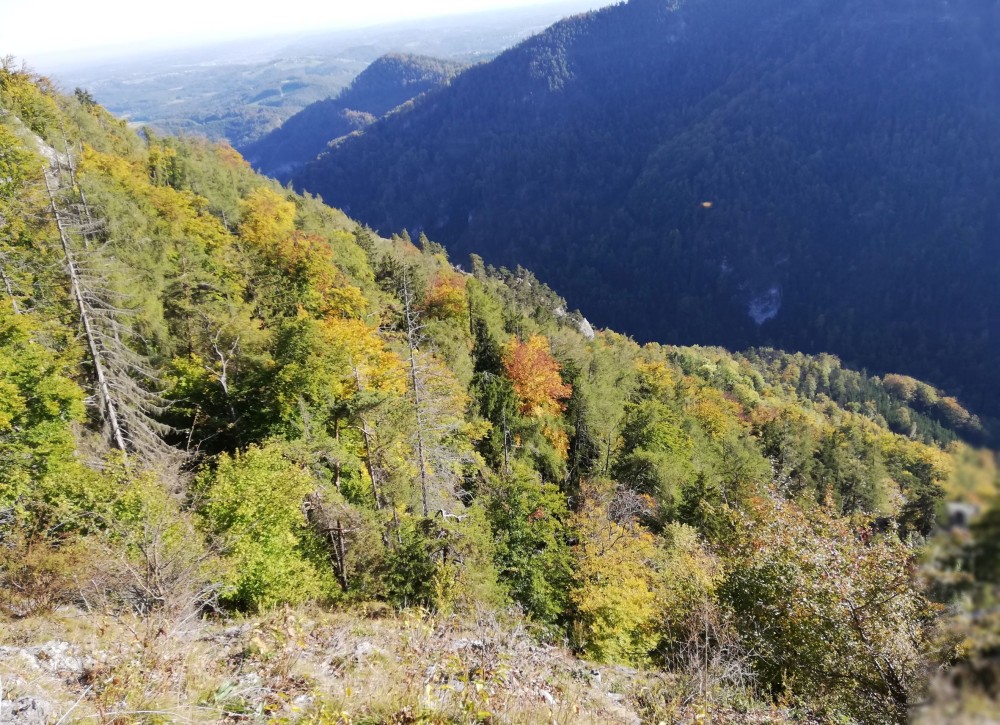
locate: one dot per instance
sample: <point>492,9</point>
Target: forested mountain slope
<point>236,427</point>
<point>388,82</point>
<point>807,174</point>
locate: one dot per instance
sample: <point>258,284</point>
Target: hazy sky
<point>32,28</point>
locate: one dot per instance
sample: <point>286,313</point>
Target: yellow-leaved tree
<point>615,591</point>
<point>445,297</point>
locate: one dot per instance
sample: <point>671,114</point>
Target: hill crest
<point>389,81</point>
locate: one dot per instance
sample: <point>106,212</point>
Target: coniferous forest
<point>259,463</point>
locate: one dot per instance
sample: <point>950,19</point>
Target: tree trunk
<point>411,341</point>
<point>366,435</point>
<point>9,287</point>
<point>104,389</point>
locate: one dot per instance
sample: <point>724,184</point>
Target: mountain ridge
<point>388,82</point>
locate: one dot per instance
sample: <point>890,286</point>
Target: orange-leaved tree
<point>539,387</point>
<point>535,374</point>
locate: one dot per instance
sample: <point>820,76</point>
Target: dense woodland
<point>387,83</point>
<point>222,397</point>
<point>809,175</point>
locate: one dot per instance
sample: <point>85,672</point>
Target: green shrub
<point>253,504</point>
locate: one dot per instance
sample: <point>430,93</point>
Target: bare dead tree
<point>8,283</point>
<point>90,228</point>
<point>436,419</point>
<point>123,380</point>
<point>416,384</point>
<point>108,404</point>
<point>226,357</point>
<point>626,507</point>
<point>336,524</point>
<point>373,462</point>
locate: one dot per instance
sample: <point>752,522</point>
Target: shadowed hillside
<point>388,82</point>
<point>811,175</point>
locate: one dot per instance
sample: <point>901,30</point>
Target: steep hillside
<point>388,82</point>
<point>807,174</point>
<point>237,428</point>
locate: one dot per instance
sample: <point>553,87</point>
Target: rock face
<point>25,711</point>
<point>53,657</point>
<point>34,677</point>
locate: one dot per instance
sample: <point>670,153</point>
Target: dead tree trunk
<point>330,525</point>
<point>71,167</point>
<point>367,435</point>
<point>341,556</point>
<point>108,406</point>
<point>8,285</point>
<point>412,334</point>
<point>122,377</point>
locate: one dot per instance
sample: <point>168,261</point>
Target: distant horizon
<point>29,35</point>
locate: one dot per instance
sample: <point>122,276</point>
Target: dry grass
<point>305,665</point>
<point>309,665</point>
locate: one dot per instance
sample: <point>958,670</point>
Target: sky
<point>35,28</point>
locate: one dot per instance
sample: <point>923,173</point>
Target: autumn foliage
<point>346,418</point>
<point>535,374</point>
<point>446,296</point>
